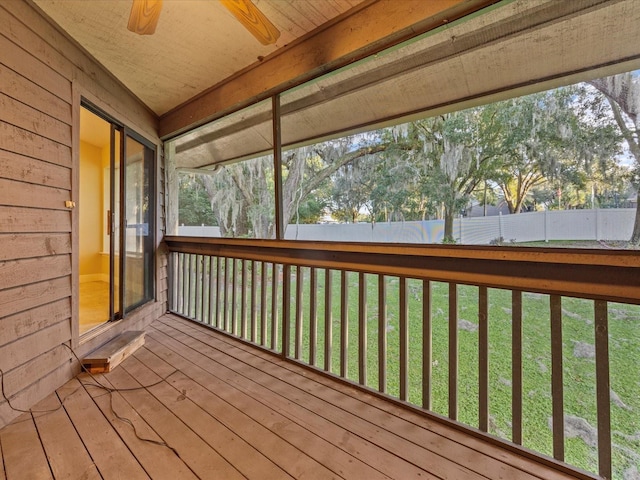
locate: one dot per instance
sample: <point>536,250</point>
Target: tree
<point>622,91</point>
<point>351,188</point>
<point>306,169</point>
<point>241,197</point>
<point>527,144</point>
<point>454,152</point>
<point>193,202</point>
<point>398,181</point>
<point>550,139</point>
<point>242,194</point>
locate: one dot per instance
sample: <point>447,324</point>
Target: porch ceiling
<point>514,48</point>
<point>197,43</point>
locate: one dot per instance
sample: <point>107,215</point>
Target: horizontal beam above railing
<point>586,273</point>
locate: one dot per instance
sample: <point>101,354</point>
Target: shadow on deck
<point>216,408</point>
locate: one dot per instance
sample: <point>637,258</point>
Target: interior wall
<point>90,209</point>
<point>106,164</point>
<point>43,75</point>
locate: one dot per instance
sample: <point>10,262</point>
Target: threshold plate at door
<point>111,354</point>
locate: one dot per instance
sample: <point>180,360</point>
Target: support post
<point>277,166</point>
<point>170,189</point>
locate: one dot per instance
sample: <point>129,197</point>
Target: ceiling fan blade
<point>144,16</point>
<point>253,20</point>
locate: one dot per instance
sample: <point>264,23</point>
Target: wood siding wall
<point>43,75</point>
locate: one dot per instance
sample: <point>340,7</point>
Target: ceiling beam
<point>367,30</point>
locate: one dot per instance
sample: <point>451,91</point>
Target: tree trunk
<point>517,208</point>
<point>225,231</point>
<point>448,225</point>
<point>635,236</point>
<point>619,90</point>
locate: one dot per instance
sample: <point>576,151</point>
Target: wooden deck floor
<point>218,409</point>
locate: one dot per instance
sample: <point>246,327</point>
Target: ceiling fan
<point>145,14</point>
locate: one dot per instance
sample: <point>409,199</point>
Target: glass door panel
<point>138,241</point>
<point>94,166</point>
<point>114,247</point>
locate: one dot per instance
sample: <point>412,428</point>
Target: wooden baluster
<point>427,350</point>
<point>344,324</point>
<point>483,359</point>
<point>516,366</point>
<point>197,284</point>
<point>453,351</point>
<point>195,273</point>
<point>171,273</point>
<point>193,285</point>
<point>219,295</point>
<point>603,388</point>
<point>286,310</point>
<point>264,270</point>
<point>179,296</point>
<point>185,284</point>
<point>243,299</point>
<point>362,328</point>
<point>404,340</point>
<point>234,287</point>
<point>189,284</point>
<point>382,333</point>
<point>299,315</point>
<point>254,301</point>
<point>205,287</point>
<point>212,286</point>
<point>274,306</point>
<point>328,319</point>
<point>313,317</point>
<point>225,302</point>
<point>557,391</point>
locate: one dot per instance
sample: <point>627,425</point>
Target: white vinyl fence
<point>600,224</point>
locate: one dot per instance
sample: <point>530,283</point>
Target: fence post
<point>501,235</point>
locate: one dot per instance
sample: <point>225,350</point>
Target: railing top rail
<point>585,256</point>
<point>587,273</point>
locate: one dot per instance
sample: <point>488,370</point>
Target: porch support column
<point>277,166</point>
<point>170,189</point>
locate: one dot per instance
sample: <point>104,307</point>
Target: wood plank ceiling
<point>197,43</point>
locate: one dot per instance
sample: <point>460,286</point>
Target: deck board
<point>324,461</point>
<point>203,460</point>
<point>249,462</point>
<point>2,475</point>
<point>432,452</point>
<point>110,454</point>
<point>158,461</point>
<point>225,409</point>
<point>22,451</point>
<point>63,447</point>
<point>359,440</point>
<point>235,410</point>
<point>433,436</point>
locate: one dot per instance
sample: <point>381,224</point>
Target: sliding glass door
<point>138,222</point>
<point>116,234</point>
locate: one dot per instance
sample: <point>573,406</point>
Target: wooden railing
<point>375,315</point>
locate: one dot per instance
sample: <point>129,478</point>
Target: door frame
<point>81,100</point>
